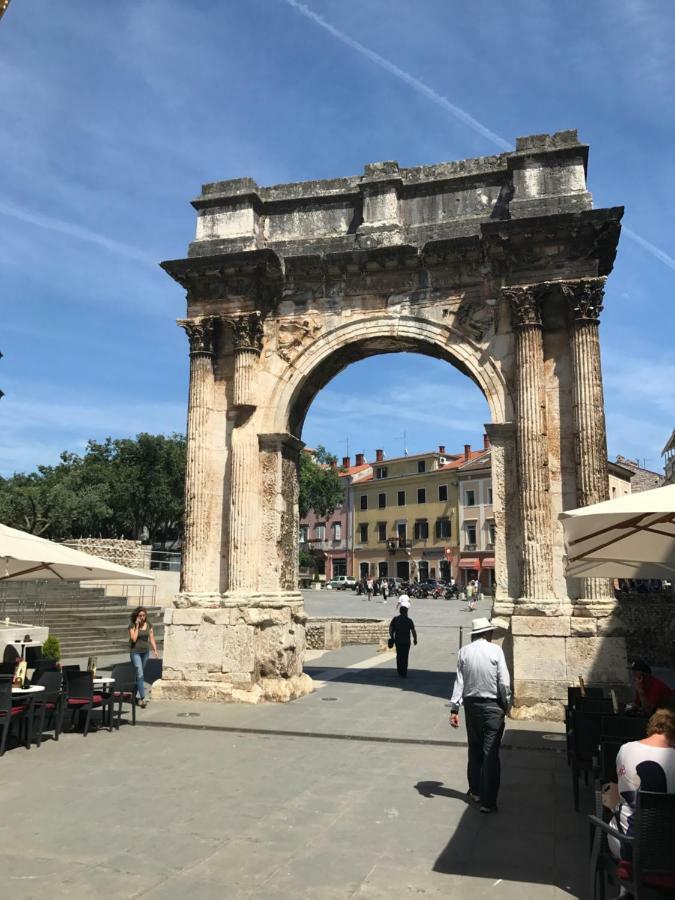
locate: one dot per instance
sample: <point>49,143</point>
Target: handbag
<point>390,643</point>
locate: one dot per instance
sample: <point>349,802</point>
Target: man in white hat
<point>483,686</point>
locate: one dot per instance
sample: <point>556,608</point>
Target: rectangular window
<point>320,531</point>
<point>382,569</point>
<point>381,472</point>
<point>337,531</point>
<point>421,466</point>
<point>364,501</point>
<point>382,531</point>
<point>423,570</point>
<point>489,495</point>
<point>443,528</point>
<point>363,533</point>
<point>401,531</point>
<point>492,532</point>
<point>339,567</point>
<point>363,569</point>
<point>401,498</point>
<point>304,534</point>
<point>381,501</point>
<point>443,492</point>
<point>421,530</point>
<point>421,495</point>
<point>470,534</point>
<point>469,498</point>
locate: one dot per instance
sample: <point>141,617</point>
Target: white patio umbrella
<point>25,557</point>
<point>630,537</point>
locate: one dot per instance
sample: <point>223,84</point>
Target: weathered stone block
<point>599,659</point>
<point>583,627</point>
<point>543,626</point>
<point>190,616</point>
<point>238,649</point>
<point>539,658</point>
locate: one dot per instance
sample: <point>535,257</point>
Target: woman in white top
<point>647,765</point>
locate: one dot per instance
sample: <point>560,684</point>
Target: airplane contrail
<point>402,75</point>
<point>445,104</point>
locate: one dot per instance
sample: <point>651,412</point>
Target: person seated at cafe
<point>646,765</point>
<point>650,691</point>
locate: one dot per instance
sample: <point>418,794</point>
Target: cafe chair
<point>80,698</point>
<point>574,698</point>
<point>10,712</point>
<point>43,665</point>
<point>124,689</point>
<point>650,871</point>
<point>48,703</point>
<point>585,721</point>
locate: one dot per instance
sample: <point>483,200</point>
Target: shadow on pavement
<point>528,840</point>
<point>419,681</point>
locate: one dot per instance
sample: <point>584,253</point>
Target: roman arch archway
<point>496,265</point>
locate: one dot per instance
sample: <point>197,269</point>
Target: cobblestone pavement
<point>357,790</point>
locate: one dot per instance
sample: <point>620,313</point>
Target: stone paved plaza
<point>356,790</point>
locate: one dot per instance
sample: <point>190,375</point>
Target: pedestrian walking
<point>369,588</point>
<point>403,601</point>
<point>141,638</point>
<point>385,589</point>
<point>401,629</point>
<point>483,686</point>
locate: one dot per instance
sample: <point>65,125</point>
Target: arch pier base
<point>496,265</point>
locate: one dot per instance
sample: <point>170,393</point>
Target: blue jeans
<point>139,660</point>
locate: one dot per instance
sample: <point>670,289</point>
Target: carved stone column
<point>245,513</point>
<point>585,304</point>
<point>200,332</point>
<point>531,444</point>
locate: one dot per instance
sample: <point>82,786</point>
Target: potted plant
<point>51,649</point>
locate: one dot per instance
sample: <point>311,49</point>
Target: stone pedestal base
<point>243,648</point>
<point>551,652</point>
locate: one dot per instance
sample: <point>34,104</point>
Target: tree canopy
<point>132,488</point>
<point>320,487</point>
<point>129,487</point>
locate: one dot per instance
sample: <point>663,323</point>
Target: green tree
<point>320,487</point>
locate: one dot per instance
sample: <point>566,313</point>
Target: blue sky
<point>115,113</point>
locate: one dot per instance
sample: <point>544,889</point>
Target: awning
<point>488,562</point>
<point>469,564</point>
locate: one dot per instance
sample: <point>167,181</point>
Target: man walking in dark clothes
<point>400,630</point>
<point>483,686</point>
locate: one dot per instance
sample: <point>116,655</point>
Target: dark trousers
<point>402,652</point>
<point>484,728</point>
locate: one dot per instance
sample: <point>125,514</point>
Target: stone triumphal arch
<point>495,264</point>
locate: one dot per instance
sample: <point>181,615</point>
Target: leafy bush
<point>51,649</point>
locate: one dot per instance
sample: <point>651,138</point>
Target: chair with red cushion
<point>80,698</point>
<point>651,872</point>
<point>124,689</point>
<point>48,703</point>
<point>11,711</point>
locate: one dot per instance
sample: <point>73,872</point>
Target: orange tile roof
<point>462,460</point>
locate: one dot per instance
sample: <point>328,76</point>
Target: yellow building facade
<point>405,518</point>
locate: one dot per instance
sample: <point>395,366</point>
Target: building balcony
<point>394,544</point>
<point>470,548</point>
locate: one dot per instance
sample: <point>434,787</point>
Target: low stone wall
<point>133,554</point>
<point>331,633</point>
<point>650,627</point>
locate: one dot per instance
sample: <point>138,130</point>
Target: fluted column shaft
<point>245,513</point>
<point>197,490</point>
<point>585,302</point>
<point>532,445</point>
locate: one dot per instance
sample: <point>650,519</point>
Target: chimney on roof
<point>360,459</point>
<point>441,449</point>
<point>346,462</point>
<point>467,451</point>
<point>379,456</point>
<point>486,442</point>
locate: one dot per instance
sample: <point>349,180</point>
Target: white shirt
<point>481,672</point>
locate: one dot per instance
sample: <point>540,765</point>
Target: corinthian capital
<point>525,306</point>
<point>584,297</point>
<point>200,332</point>
<point>248,332</point>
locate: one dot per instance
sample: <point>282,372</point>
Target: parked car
<point>341,583</point>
